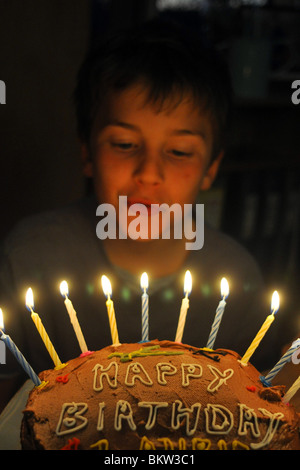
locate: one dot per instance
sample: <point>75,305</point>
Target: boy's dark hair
<point>169,60</point>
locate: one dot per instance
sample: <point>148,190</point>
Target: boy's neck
<point>157,257</point>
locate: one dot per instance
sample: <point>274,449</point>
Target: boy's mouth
<point>146,202</point>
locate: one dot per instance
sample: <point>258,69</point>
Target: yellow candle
<point>106,286</point>
<point>64,290</point>
<point>40,327</point>
<point>184,306</point>
<point>264,328</point>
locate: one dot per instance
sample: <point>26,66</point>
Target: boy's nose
<point>149,169</point>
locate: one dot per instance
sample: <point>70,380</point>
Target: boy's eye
<point>181,153</point>
<point>123,145</point>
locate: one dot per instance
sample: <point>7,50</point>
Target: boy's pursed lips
<point>150,204</point>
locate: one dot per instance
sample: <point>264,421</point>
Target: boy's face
<point>150,156</point>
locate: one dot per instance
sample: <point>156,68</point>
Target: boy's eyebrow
<point>126,125</point>
<point>178,132</point>
<point>189,132</point>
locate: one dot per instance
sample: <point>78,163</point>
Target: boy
<point>152,108</point>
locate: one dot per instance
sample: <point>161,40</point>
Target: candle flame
<point>106,286</point>
<point>144,281</point>
<point>29,299</point>
<point>275,302</point>
<point>187,282</point>
<point>1,320</point>
<point>64,289</point>
<point>224,288</point>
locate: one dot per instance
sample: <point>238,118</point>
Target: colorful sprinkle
<point>148,351</point>
<point>251,388</point>
<point>72,444</point>
<point>62,378</point>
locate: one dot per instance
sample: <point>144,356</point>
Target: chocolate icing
<point>165,395</point>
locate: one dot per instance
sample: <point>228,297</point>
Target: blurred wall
<point>42,43</point>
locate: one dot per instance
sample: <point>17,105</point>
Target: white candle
<point>64,290</point>
<point>184,306</point>
<point>292,390</point>
<point>145,307</point>
<point>219,314</point>
<point>106,286</point>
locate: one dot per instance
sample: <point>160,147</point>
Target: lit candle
<point>17,353</point>
<point>264,328</point>
<point>219,314</point>
<point>285,358</point>
<point>40,327</point>
<point>64,290</point>
<point>145,307</point>
<point>184,306</point>
<point>106,286</point>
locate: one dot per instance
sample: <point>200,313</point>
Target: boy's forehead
<point>137,101</point>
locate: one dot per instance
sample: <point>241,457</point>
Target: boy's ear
<point>87,166</point>
<point>211,172</point>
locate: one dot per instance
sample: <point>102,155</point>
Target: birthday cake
<point>154,396</point>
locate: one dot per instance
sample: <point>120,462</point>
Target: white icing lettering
<point>190,370</point>
<point>74,413</point>
<point>135,372</point>
<point>248,419</point>
<point>272,428</point>
<point>163,369</point>
<point>124,411</point>
<point>110,373</point>
<point>100,422</point>
<point>219,420</point>
<point>153,407</point>
<point>179,413</point>
<point>220,378</point>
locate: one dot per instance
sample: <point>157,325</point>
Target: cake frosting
<point>157,395</point>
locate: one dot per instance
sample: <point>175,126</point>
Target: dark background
<point>256,198</point>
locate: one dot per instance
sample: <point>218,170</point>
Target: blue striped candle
<point>285,358</point>
<point>219,314</point>
<point>20,358</point>
<point>145,308</point>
